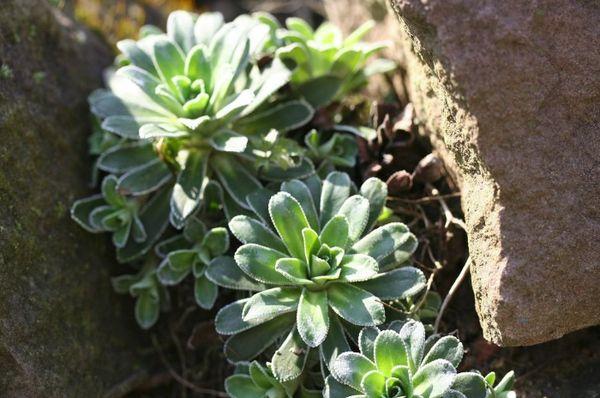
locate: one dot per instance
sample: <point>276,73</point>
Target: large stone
<point>63,333</point>
<point>509,93</point>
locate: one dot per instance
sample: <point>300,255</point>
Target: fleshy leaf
<point>356,305</point>
<point>312,317</point>
<point>397,284</point>
<point>259,262</point>
<point>335,191</point>
<point>383,240</point>
<point>289,360</point>
<point>350,367</point>
<point>145,178</point>
<point>271,303</point>
<point>248,230</point>
<point>358,268</point>
<point>335,343</point>
<point>242,386</point>
<point>366,341</point>
<point>470,384</point>
<point>289,220</point>
<point>189,189</point>
<point>205,292</point>
<point>375,191</point>
<point>433,379</point>
<point>335,232</point>
<point>246,345</point>
<point>356,211</point>
<point>389,351</point>
<point>301,193</point>
<point>448,348</point>
<point>224,272</point>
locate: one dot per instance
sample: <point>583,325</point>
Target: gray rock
<point>63,333</point>
<point>509,93</point>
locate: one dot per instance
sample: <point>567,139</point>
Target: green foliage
<point>340,150</point>
<point>401,362</point>
<point>313,247</point>
<point>190,253</point>
<point>327,66</point>
<point>257,381</point>
<point>149,293</point>
<point>195,99</point>
<point>201,127</point>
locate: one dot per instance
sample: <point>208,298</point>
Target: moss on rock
<point>62,331</point>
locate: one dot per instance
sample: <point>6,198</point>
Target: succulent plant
<point>327,66</point>
<point>340,150</point>
<point>402,363</point>
<point>313,248</point>
<point>257,381</point>
<point>136,223</point>
<point>197,108</point>
<point>191,252</point>
<point>149,293</point>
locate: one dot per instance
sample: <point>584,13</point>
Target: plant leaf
<point>189,189</point>
<point>229,141</point>
<point>289,220</point>
<point>155,218</point>
<point>271,303</point>
<point>289,359</point>
<point>301,193</point>
<point>180,28</point>
<point>389,351</point>
<point>242,386</point>
<point>366,341</point>
<point>295,270</point>
<point>471,384</point>
<point>350,367</point>
<point>320,91</point>
<point>373,384</point>
<point>384,240</point>
<point>358,268</point>
<point>397,284</point>
<point>312,318</point>
<point>83,208</point>
<point>144,179</point>
<point>146,310</point>
<point>356,211</point>
<point>224,272</point>
<point>235,178</point>
<point>335,191</point>
<point>246,345</point>
<point>248,230</point>
<point>335,232</point>
<point>335,343</point>
<point>413,336</point>
<point>205,292</point>
<point>375,191</point>
<point>259,262</point>
<point>283,117</point>
<point>433,379</point>
<point>448,348</point>
<point>356,305</point>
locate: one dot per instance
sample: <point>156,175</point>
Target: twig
<point>425,199</point>
<point>180,379</point>
<point>451,292</point>
<point>127,386</point>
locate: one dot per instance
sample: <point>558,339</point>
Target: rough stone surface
<point>509,93</point>
<point>63,333</point>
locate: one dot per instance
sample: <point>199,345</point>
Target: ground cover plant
<point>217,177</point>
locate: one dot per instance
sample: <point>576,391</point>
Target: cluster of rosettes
<point>210,125</point>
